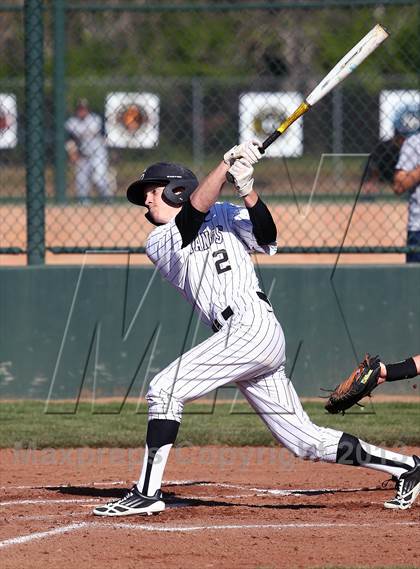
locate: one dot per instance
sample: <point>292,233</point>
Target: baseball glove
<point>360,383</point>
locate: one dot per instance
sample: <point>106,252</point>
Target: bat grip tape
<point>273,136</point>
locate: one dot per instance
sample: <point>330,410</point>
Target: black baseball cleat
<point>408,488</point>
<point>133,503</point>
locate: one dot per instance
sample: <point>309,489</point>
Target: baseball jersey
<point>87,133</point>
<point>409,160</point>
<point>214,270</point>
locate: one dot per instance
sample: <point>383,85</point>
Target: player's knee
<point>308,451</point>
<point>156,395</point>
<point>163,404</point>
<point>316,450</point>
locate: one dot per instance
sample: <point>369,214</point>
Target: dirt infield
<point>324,224</point>
<point>226,507</point>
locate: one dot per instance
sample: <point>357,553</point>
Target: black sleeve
<point>189,221</point>
<point>401,370</point>
<point>263,225</point>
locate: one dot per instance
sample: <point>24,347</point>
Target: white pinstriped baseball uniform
<point>206,257</point>
<point>92,164</point>
<point>213,272</point>
<point>408,160</point>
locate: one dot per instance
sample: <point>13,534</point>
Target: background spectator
<point>87,149</point>
<point>407,178</point>
<point>384,157</point>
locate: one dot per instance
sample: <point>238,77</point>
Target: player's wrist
<point>412,178</point>
<point>246,189</point>
<point>416,175</point>
<point>251,199</point>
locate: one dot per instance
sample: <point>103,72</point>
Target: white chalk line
<point>41,534</point>
<point>170,529</point>
<point>295,491</point>
<point>105,484</point>
<point>274,491</point>
<point>60,485</point>
<point>47,501</point>
<point>297,525</point>
<point>300,491</point>
<point>255,491</point>
<point>120,482</point>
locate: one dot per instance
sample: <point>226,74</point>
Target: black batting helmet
<point>172,176</point>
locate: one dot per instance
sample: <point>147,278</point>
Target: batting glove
<point>247,150</point>
<point>242,173</point>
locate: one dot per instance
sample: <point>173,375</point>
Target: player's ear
<point>168,202</point>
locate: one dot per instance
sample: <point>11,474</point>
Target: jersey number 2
<point>223,259</point>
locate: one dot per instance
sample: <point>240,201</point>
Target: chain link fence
<point>112,88</point>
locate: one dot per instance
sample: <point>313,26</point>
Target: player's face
<point>82,112</point>
<point>158,209</point>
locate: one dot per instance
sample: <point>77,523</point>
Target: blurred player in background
<point>384,156</point>
<point>407,178</point>
<point>87,150</point>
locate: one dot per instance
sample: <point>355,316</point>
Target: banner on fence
<point>261,113</point>
<point>8,121</point>
<point>132,120</point>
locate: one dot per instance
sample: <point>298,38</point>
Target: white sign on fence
<point>8,121</point>
<point>132,120</point>
<point>261,113</point>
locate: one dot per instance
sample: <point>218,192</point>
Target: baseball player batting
<point>202,247</point>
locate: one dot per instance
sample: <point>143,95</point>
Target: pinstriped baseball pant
<point>250,351</point>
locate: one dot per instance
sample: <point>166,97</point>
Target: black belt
<point>228,312</point>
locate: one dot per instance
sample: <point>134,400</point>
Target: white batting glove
<point>242,173</point>
<point>247,150</point>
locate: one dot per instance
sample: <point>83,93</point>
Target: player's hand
<point>242,173</point>
<point>371,188</point>
<point>248,150</point>
<point>72,151</point>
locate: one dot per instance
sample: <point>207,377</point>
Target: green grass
<point>24,424</point>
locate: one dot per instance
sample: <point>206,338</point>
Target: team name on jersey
<point>208,236</point>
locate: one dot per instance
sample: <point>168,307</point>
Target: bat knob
<point>230,178</point>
